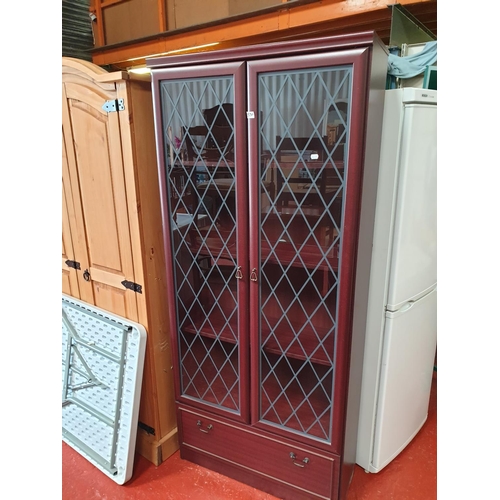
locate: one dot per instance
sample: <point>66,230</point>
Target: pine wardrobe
<point>112,251</point>
<point>268,160</point>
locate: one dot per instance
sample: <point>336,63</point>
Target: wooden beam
<point>162,15</point>
<point>97,24</point>
<point>108,3</point>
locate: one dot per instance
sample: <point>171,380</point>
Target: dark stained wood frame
<point>357,59</point>
<point>358,50</point>
<point>237,71</point>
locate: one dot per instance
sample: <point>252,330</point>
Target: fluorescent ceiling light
<point>192,48</point>
<point>176,51</point>
<point>140,71</point>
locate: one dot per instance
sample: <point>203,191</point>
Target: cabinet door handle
<point>238,275</point>
<point>86,275</point>
<point>298,464</point>
<point>209,427</point>
<point>253,275</point>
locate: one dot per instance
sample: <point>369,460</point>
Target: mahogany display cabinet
<point>268,162</point>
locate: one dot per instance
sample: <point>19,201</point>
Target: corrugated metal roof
<point>77,39</point>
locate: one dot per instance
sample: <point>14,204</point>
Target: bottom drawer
<point>281,460</point>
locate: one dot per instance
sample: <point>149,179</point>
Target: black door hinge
<point>130,285</point>
<point>146,428</point>
<point>73,263</point>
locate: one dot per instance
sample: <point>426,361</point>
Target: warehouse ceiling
<point>77,38</point>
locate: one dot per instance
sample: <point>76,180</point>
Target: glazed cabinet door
<point>101,235</point>
<point>307,120</point>
<point>203,176</point>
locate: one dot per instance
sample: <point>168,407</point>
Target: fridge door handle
<point>406,307</point>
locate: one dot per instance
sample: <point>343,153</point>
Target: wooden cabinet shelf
<point>214,242</point>
<point>313,343</point>
<point>214,325</point>
<point>302,408</point>
<point>214,377</point>
<point>310,256</point>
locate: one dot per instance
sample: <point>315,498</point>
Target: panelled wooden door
<point>94,162</point>
<point>204,189</point>
<point>69,272</point>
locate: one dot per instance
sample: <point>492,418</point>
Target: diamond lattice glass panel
<point>303,128</point>
<point>200,173</point>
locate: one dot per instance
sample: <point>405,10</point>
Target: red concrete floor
<point>410,476</point>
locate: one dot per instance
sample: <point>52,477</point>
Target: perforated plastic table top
<point>102,366</point>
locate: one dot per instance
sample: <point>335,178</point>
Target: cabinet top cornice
<point>272,49</point>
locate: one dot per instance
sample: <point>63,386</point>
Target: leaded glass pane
<point>303,131</point>
<point>198,120</point>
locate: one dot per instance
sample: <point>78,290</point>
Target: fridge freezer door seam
<point>405,306</point>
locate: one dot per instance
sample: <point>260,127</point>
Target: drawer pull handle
<point>209,427</point>
<point>298,464</point>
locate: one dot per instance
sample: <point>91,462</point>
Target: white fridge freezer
<point>401,325</point>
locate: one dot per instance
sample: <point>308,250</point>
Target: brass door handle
<point>253,275</point>
<point>298,464</point>
<point>238,275</point>
<point>209,427</point>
